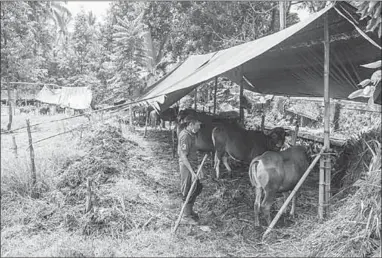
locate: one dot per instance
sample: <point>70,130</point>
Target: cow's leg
<point>266,205</point>
<point>285,195</point>
<point>217,165</point>
<point>293,208</point>
<point>225,162</point>
<point>256,206</point>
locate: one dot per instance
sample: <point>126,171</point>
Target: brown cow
<point>243,145</point>
<point>169,114</point>
<point>276,172</point>
<point>204,135</point>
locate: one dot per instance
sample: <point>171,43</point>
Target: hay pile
<point>353,160</point>
<point>123,197</point>
<point>355,229</point>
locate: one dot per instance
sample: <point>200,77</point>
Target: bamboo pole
<point>282,15</point>
<point>325,173</point>
<point>215,91</point>
<point>189,195</point>
<point>9,126</point>
<point>195,98</point>
<point>241,108</point>
<point>295,134</point>
<point>14,101</point>
<point>302,179</point>
<point>31,152</point>
<point>147,121</point>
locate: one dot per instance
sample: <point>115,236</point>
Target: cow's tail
<point>253,171</point>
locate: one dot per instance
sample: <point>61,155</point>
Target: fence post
<point>89,204</point>
<point>31,151</point>
<point>14,145</point>
<point>9,126</point>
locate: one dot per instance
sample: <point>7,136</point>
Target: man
<point>188,163</point>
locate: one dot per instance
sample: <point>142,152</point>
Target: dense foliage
<point>136,44</point>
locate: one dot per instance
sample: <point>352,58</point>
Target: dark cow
<point>276,172</point>
<point>44,110</point>
<point>243,145</point>
<point>209,122</point>
<point>169,114</point>
<point>230,114</point>
<point>154,119</point>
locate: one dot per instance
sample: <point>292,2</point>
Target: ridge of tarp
<point>191,64</point>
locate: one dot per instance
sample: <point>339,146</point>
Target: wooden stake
<point>278,215</point>
<point>31,151</point>
<point>89,203</point>
<point>9,126</point>
<point>189,195</point>
<point>215,91</point>
<point>14,145</point>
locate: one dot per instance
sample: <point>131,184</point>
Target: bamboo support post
<point>14,145</point>
<point>295,134</point>
<point>262,126</point>
<point>278,215</point>
<point>147,122</point>
<point>241,107</point>
<point>324,191</point>
<point>14,100</point>
<point>189,195</point>
<point>196,98</point>
<point>31,151</point>
<point>327,184</point>
<point>215,92</point>
<point>282,15</point>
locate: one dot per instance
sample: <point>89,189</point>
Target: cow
<point>169,114</point>
<point>243,145</point>
<point>154,119</point>
<point>230,114</point>
<point>44,111</point>
<point>209,122</point>
<point>275,172</point>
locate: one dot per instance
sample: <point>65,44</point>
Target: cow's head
<point>276,139</point>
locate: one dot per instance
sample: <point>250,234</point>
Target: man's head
<point>193,124</point>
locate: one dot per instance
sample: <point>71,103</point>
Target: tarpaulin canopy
<point>72,97</point>
<point>190,65</point>
<point>48,95</point>
<point>289,62</point>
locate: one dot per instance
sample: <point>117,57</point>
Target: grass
<point>133,180</point>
